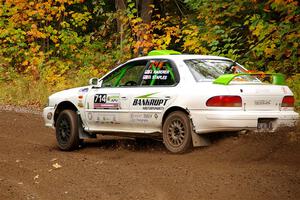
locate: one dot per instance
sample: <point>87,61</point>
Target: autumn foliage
<point>49,45</point>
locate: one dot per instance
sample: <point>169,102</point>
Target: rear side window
<point>159,73</point>
<point>208,70</point>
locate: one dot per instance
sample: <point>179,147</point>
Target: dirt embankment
<point>251,166</point>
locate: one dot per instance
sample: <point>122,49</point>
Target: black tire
<point>67,134</point>
<point>177,132</point>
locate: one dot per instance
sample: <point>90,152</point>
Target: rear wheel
<point>67,134</point>
<point>177,135</point>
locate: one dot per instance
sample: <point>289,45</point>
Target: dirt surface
<point>248,166</point>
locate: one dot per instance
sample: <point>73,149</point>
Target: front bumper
<point>48,115</point>
<point>214,121</point>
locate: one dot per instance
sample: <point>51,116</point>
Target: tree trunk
<point>120,7</point>
<point>146,10</point>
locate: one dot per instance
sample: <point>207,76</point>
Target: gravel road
<point>249,166</point>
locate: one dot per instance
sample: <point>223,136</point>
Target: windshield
<point>210,69</point>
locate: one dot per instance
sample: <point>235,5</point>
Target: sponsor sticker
<point>84,90</point>
<point>148,102</point>
<point>141,118</point>
<point>106,101</point>
<point>157,75</point>
<point>108,119</point>
<point>103,118</point>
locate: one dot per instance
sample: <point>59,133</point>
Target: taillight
<point>288,101</point>
<point>225,101</point>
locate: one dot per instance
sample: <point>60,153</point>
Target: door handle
<point>124,98</point>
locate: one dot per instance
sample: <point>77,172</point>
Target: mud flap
<point>200,140</point>
<point>82,133</point>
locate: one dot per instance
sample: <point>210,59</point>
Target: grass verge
<point>24,91</point>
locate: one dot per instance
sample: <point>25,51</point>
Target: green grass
<point>22,92</point>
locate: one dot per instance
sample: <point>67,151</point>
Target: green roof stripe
<point>163,52</point>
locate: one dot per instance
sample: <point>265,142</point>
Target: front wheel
<point>177,130</point>
<point>67,134</point>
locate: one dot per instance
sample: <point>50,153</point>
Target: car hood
<point>67,95</point>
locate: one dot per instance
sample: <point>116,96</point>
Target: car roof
<point>181,57</point>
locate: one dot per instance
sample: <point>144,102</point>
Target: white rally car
<point>178,98</point>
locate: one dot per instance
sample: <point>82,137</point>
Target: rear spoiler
<point>277,78</point>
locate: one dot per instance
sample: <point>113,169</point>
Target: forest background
<point>51,45</point>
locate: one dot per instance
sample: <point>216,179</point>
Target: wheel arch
<point>173,109</point>
<point>197,140</point>
<point>63,106</point>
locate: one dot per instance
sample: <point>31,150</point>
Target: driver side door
<point>108,106</point>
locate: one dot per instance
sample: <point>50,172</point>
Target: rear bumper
<point>48,115</point>
<point>214,121</point>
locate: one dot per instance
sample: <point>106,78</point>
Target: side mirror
<point>93,81</point>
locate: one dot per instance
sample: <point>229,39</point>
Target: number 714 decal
<point>106,101</point>
<point>100,98</point>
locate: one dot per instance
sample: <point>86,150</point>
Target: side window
<point>159,72</point>
<point>128,75</point>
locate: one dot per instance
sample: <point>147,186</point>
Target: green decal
<point>278,78</point>
<point>146,96</point>
<point>163,52</point>
<point>154,76</point>
<point>171,71</point>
